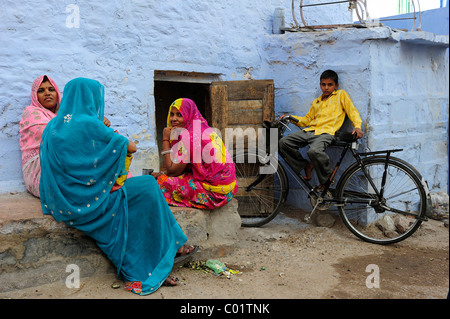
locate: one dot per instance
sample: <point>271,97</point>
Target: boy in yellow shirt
<point>324,118</point>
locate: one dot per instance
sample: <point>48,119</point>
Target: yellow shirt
<point>329,115</point>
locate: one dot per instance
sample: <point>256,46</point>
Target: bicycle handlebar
<point>290,118</point>
<point>346,137</point>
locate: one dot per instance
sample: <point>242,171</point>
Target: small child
<point>324,118</point>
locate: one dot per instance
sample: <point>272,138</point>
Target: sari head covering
<point>211,162</point>
<point>32,124</point>
<point>80,157</point>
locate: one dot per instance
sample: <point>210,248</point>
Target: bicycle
<point>380,198</point>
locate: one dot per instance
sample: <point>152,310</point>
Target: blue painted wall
<point>121,44</point>
<point>398,80</point>
<point>435,21</point>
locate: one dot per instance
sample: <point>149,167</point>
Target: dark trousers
<point>290,144</point>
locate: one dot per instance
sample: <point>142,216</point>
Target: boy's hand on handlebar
<point>359,133</point>
<point>288,117</point>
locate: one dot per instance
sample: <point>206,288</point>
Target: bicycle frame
<point>380,198</point>
<point>321,195</point>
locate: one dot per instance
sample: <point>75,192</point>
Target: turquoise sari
<point>80,160</point>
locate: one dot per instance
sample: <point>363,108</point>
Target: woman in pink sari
<point>199,170</point>
<point>45,101</point>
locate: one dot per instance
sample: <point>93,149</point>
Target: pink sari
<point>32,123</point>
<point>209,180</point>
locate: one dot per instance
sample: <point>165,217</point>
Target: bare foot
<point>184,250</point>
<point>170,281</point>
<point>308,170</point>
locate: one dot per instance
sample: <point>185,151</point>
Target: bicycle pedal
<point>307,219</point>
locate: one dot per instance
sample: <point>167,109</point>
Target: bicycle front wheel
<point>263,188</point>
<point>389,216</point>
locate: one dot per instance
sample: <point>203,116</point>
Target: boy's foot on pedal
<point>320,188</point>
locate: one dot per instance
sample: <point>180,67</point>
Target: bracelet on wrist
<point>166,152</point>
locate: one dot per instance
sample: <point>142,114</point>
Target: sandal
<point>170,282</point>
<point>187,251</point>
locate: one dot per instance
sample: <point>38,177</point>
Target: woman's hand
<point>157,174</point>
<point>166,132</point>
<point>106,122</point>
<point>131,147</point>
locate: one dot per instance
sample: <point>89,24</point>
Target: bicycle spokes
<point>260,196</point>
<point>386,218</point>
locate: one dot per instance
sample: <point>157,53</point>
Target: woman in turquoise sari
<point>81,159</point>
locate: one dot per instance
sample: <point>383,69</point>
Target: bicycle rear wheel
<point>263,188</point>
<point>381,220</point>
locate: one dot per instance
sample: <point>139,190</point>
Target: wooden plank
<point>245,90</point>
<point>181,76</point>
<point>245,105</point>
<point>245,112</point>
<point>244,117</point>
<point>268,104</point>
<point>219,111</point>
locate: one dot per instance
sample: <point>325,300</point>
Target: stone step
<point>35,249</point>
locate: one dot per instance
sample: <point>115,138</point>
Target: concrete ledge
<point>35,249</point>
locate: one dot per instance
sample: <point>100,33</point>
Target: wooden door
<point>244,104</point>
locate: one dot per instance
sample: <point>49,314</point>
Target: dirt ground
<point>288,259</point>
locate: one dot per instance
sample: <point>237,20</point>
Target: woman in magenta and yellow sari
<point>199,170</point>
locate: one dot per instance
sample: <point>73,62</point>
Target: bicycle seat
<point>343,138</point>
